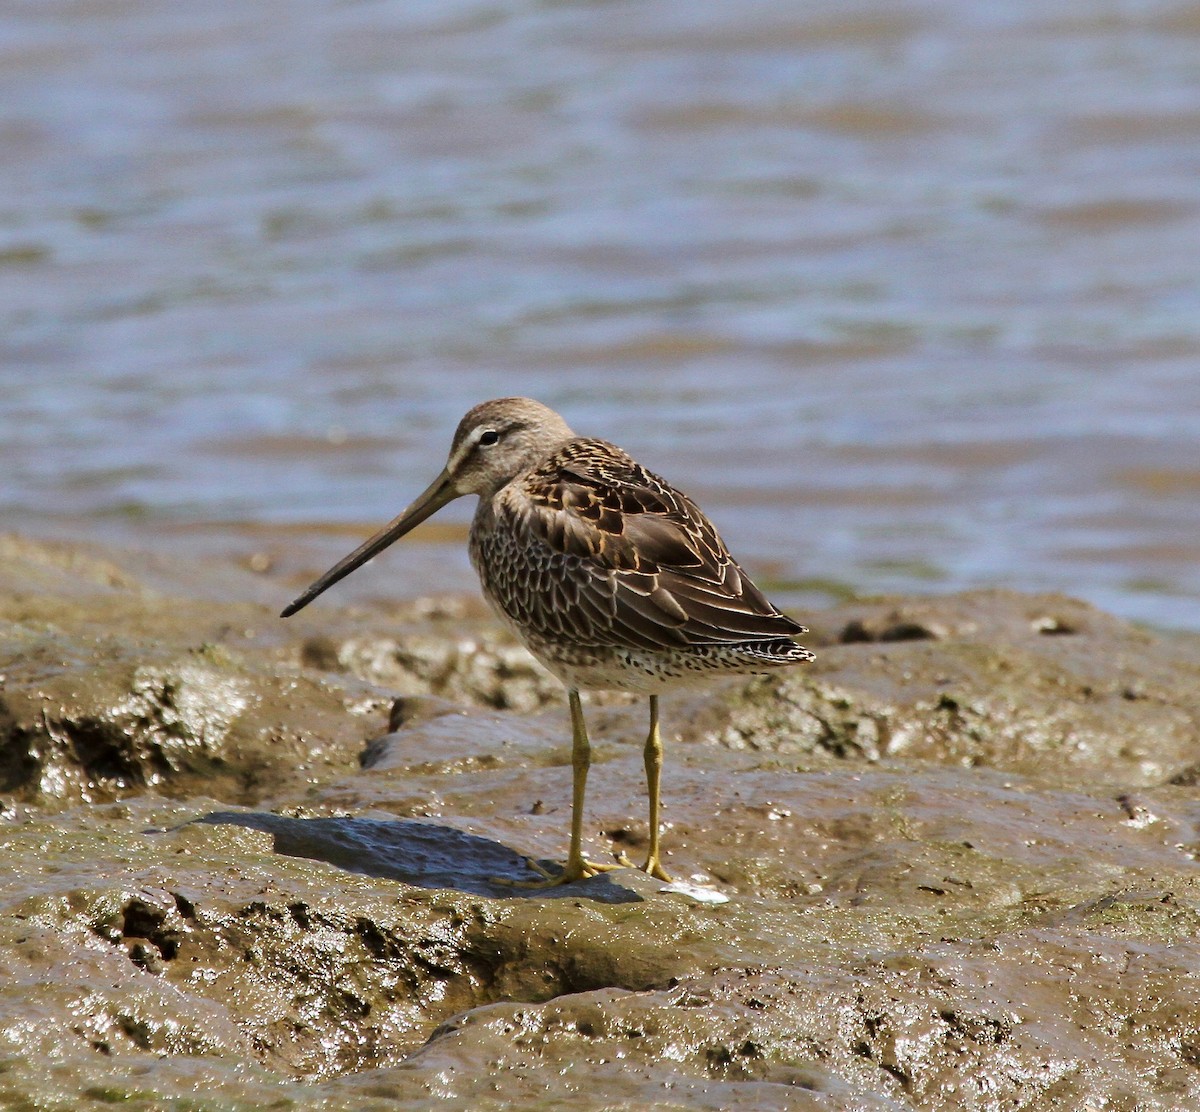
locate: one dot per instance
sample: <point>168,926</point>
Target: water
<point>905,294</point>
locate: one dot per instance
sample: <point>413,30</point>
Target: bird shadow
<point>424,854</point>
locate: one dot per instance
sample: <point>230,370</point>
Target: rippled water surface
<point>905,294</point>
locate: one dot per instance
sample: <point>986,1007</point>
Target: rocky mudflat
<point>253,864</point>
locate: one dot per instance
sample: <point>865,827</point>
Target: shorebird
<point>612,578</point>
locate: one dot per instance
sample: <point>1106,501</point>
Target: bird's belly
<point>647,672</point>
<point>642,671</point>
<point>590,668</point>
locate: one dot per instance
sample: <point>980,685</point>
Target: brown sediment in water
<point>250,863</point>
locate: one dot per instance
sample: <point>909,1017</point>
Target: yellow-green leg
<point>654,761</point>
<point>577,866</point>
<point>653,758</point>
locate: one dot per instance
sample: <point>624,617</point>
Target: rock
<point>254,864</point>
<point>1037,685</point>
<point>96,717</point>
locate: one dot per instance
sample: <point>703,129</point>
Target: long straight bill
<point>440,491</point>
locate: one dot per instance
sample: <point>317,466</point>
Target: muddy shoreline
<point>251,863</point>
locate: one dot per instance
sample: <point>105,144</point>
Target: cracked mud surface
<point>253,864</point>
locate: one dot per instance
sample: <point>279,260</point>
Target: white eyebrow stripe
<point>465,448</point>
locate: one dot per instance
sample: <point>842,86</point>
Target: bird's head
<point>493,444</point>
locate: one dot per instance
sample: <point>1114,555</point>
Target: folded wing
<point>612,555</point>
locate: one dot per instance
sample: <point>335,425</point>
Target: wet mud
<point>254,864</point>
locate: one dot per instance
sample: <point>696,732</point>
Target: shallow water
<point>905,295</point>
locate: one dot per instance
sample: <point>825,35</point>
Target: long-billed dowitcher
<point>611,577</point>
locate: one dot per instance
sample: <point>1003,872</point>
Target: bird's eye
<point>487,439</point>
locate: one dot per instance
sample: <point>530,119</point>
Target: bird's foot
<point>573,870</point>
<point>652,866</point>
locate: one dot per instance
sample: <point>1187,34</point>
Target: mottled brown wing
<point>613,555</point>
